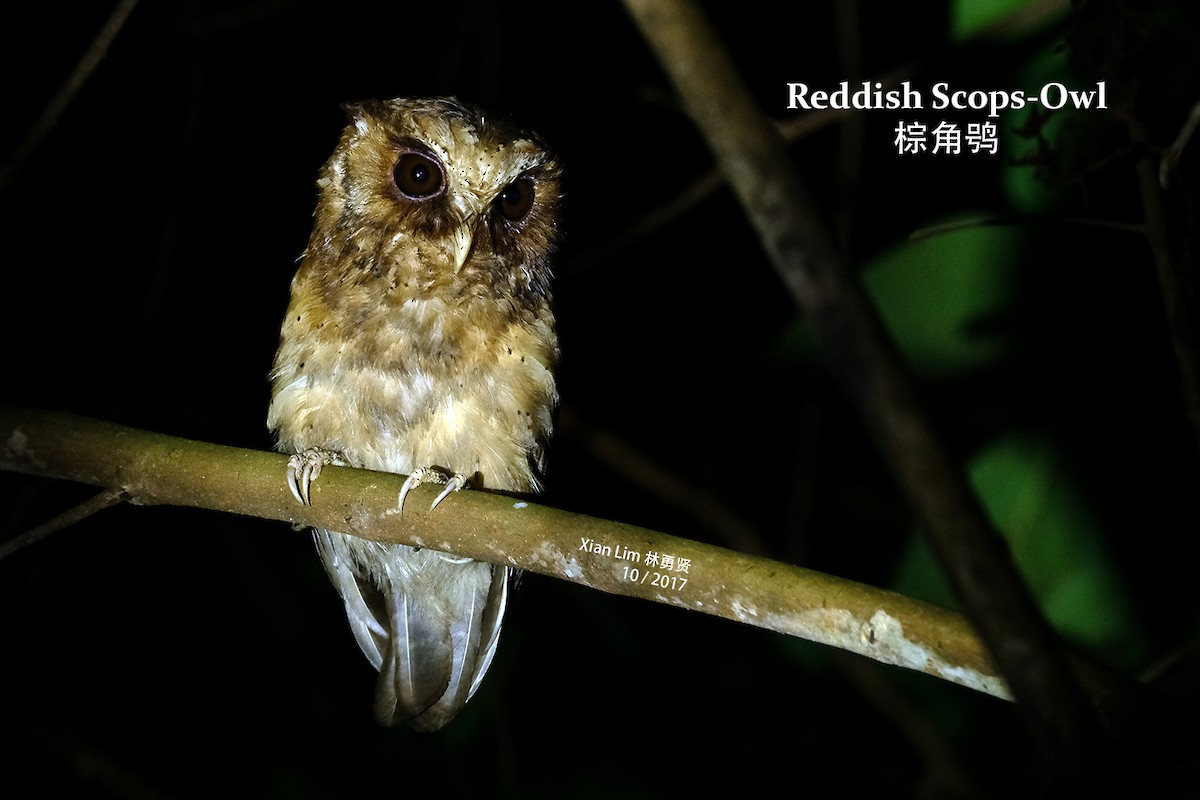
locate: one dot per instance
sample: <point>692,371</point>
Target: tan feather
<point>420,334</point>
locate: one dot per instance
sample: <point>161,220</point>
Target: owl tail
<point>427,621</point>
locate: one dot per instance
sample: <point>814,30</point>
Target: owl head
<point>438,198</point>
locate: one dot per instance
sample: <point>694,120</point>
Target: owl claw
<point>293,485</point>
<point>431,475</point>
<point>456,482</point>
<point>304,468</point>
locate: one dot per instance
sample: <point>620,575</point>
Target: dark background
<point>149,241</point>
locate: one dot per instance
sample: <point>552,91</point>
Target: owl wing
<point>430,625</point>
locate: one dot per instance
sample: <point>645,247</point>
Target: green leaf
<point>936,295</point>
<point>969,17</point>
<point>1056,542</point>
<point>1023,139</point>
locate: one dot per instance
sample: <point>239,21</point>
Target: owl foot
<point>305,466</point>
<point>431,475</point>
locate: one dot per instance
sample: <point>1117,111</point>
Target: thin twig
<point>1170,279</point>
<point>852,138</point>
<point>701,505</point>
<point>1175,152</point>
<point>954,226</point>
<point>66,93</point>
<point>701,188</point>
<point>946,773</point>
<point>101,501</point>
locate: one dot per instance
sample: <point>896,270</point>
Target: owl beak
<point>461,242</point>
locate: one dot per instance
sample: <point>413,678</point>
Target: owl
<point>420,340</point>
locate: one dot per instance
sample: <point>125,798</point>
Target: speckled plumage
<point>419,335</point>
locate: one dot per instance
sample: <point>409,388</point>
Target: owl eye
<point>417,176</point>
<point>516,200</point>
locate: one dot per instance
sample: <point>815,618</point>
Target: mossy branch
<point>146,468</point>
<point>154,469</point>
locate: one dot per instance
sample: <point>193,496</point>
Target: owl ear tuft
<point>359,110</point>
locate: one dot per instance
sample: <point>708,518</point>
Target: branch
<point>708,512</point>
<point>146,468</point>
<point>95,504</point>
<point>62,99</point>
<point>1173,278</point>
<point>864,361</point>
<point>154,469</point>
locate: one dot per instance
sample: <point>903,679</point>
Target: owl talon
<point>456,482</point>
<point>414,479</point>
<point>292,484</point>
<point>431,475</point>
<point>305,467</point>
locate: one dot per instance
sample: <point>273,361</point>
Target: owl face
<point>437,199</point>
